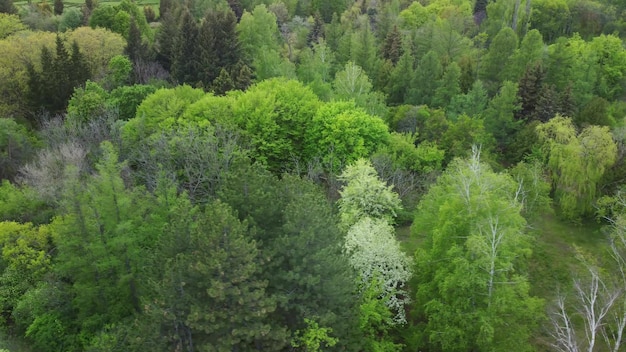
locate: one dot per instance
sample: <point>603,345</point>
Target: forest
<point>312,175</point>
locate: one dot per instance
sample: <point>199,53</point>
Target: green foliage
<point>576,162</point>
<point>21,204</point>
<point>312,338</point>
<point>365,195</point>
<point>87,103</point>
<point>353,84</point>
<point>128,98</point>
<point>120,69</point>
<point>10,24</point>
<point>71,19</point>
<point>471,284</point>
<point>277,115</point>
<point>160,110</point>
<point>341,133</point>
<point>550,17</point>
<point>17,146</point>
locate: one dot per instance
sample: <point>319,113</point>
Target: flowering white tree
<point>368,207</point>
<point>376,255</point>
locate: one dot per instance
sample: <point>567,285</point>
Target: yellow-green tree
<point>576,162</point>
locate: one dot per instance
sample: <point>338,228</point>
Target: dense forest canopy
<point>312,175</point>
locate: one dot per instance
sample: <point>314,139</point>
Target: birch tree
<point>472,293</point>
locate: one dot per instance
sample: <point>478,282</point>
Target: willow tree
<point>576,162</point>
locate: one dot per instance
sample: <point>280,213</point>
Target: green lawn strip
<point>554,263</point>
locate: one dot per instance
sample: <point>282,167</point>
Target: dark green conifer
<point>218,46</point>
<point>235,5</point>
<point>7,6</point>
<point>58,7</point>
<point>184,61</point>
<point>135,48</point>
<point>529,89</point>
<point>392,47</point>
<point>242,76</point>
<point>317,31</point>
<point>223,83</point>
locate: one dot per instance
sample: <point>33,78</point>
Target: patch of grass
<point>554,262</point>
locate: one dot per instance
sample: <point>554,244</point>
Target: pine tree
<point>166,38</point>
<point>184,61</point>
<point>223,83</point>
<point>242,76</point>
<point>317,31</point>
<point>529,89</point>
<point>235,5</point>
<point>392,47</point>
<point>135,48</point>
<point>58,7</point>
<point>51,88</point>
<point>218,45</point>
<point>547,103</point>
<point>165,7</point>
<point>7,6</point>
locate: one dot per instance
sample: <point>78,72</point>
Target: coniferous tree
<point>184,61</point>
<point>223,83</point>
<point>235,5</point>
<point>392,47</point>
<point>166,38</point>
<point>51,88</point>
<point>86,10</point>
<point>135,48</point>
<point>529,89</point>
<point>218,46</point>
<point>317,31</point>
<point>165,7</point>
<point>58,7</point>
<point>7,6</point>
<point>242,76</point>
<point>547,103</point>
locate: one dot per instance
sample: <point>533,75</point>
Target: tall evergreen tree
<point>7,6</point>
<point>529,89</point>
<point>218,46</point>
<point>51,88</point>
<point>184,61</point>
<point>317,31</point>
<point>166,38</point>
<point>392,47</point>
<point>235,6</point>
<point>165,7</point>
<point>136,50</point>
<point>58,7</point>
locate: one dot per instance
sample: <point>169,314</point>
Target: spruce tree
<point>7,6</point>
<point>184,60</point>
<point>235,5</point>
<point>58,7</point>
<point>529,89</point>
<point>165,39</point>
<point>165,7</point>
<point>223,83</point>
<point>392,47</point>
<point>218,46</point>
<point>242,76</point>
<point>317,31</point>
<point>135,48</point>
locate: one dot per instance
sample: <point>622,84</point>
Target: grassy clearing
<point>554,262</point>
